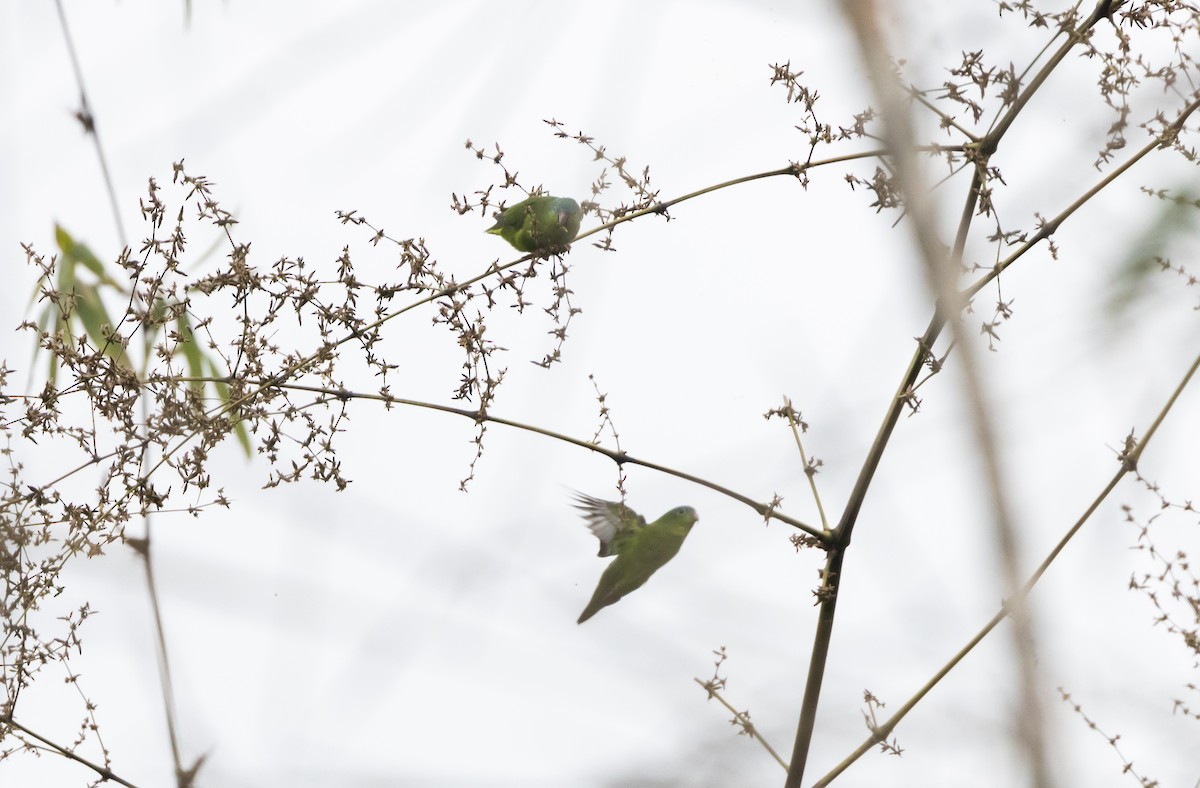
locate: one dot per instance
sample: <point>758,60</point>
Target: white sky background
<point>403,633</point>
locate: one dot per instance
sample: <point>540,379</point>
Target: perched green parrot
<point>641,549</point>
<point>539,223</point>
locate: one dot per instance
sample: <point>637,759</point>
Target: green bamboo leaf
<point>66,273</point>
<point>80,253</point>
<point>152,326</point>
<point>1149,254</point>
<point>94,317</point>
<point>191,351</point>
<point>50,314</point>
<point>77,301</point>
<point>81,302</point>
<point>61,310</point>
<point>239,425</point>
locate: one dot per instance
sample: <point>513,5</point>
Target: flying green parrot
<point>539,223</point>
<point>640,549</point>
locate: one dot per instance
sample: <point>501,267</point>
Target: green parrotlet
<point>640,549</point>
<point>539,223</point>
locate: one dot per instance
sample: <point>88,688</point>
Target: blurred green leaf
<point>80,303</point>
<point>239,426</point>
<point>191,353</point>
<point>154,321</point>
<point>90,309</point>
<point>1149,254</point>
<point>75,252</point>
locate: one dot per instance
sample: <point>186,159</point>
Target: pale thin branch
<point>810,472</point>
<point>742,720</point>
<point>619,457</point>
<point>107,774</point>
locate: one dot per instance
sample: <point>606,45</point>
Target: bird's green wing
<point>645,552</point>
<point>612,523</point>
<point>512,217</point>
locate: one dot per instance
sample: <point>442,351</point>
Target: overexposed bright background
<point>404,633</point>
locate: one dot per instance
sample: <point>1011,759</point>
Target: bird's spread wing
<point>612,523</point>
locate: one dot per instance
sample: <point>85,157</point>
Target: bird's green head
<point>567,218</point>
<point>686,513</point>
